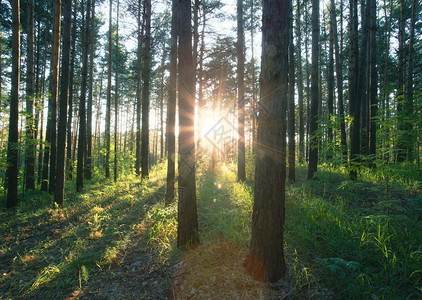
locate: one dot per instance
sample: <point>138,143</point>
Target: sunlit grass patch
<point>214,270</point>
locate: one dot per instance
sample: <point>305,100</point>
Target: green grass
<point>47,252</point>
<point>343,239</point>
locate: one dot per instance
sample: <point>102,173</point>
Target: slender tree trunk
<point>88,160</point>
<point>339,77</point>
<point>308,88</point>
<point>171,105</point>
<point>330,88</point>
<point>163,60</point>
<point>12,145</point>
<point>362,90</point>
<point>401,110</point>
<point>69,160</point>
<point>116,94</point>
<point>253,79</point>
<point>64,89</point>
<point>138,92</point>
<point>354,97</point>
<point>108,104</point>
<point>54,77</point>
<point>410,138</point>
<point>313,126</point>
<point>201,78</point>
<point>373,84</point>
<point>291,101</point>
<point>82,101</point>
<point>300,84</point>
<point>266,258</point>
<point>187,210</point>
<point>241,172</point>
<point>30,142</point>
<point>146,74</point>
<point>41,151</point>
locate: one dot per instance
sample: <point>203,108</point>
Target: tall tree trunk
<point>30,142</point>
<point>201,78</point>
<point>82,101</point>
<point>362,90</point>
<point>253,78</point>
<point>330,88</point>
<point>69,160</point>
<point>146,74</point>
<point>339,77</point>
<point>410,138</point>
<point>354,97</point>
<point>373,84</point>
<point>171,105</point>
<point>241,172</point>
<point>88,155</point>
<point>41,142</point>
<point>116,94</point>
<point>313,126</point>
<point>12,145</point>
<point>163,60</point>
<point>108,104</point>
<point>266,257</point>
<point>300,84</point>
<point>401,110</point>
<point>291,100</point>
<point>54,78</point>
<point>138,92</point>
<point>64,89</point>
<point>187,210</point>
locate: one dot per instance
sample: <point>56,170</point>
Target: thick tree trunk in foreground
<point>313,125</point>
<point>187,210</point>
<point>64,89</point>
<point>266,258</point>
<point>12,145</point>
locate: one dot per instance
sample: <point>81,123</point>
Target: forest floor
<point>343,239</point>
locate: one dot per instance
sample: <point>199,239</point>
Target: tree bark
<point>69,160</point>
<point>108,104</point>
<point>300,85</point>
<point>138,92</point>
<point>241,172</point>
<point>82,101</point>
<point>187,210</point>
<point>64,89</point>
<point>266,256</point>
<point>29,141</point>
<point>146,77</point>
<point>313,126</point>
<point>330,89</point>
<point>88,156</point>
<point>373,79</point>
<point>171,106</point>
<point>12,145</point>
<point>291,94</point>
<point>354,97</point>
<point>339,77</point>
<point>54,77</point>
<point>116,94</point>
